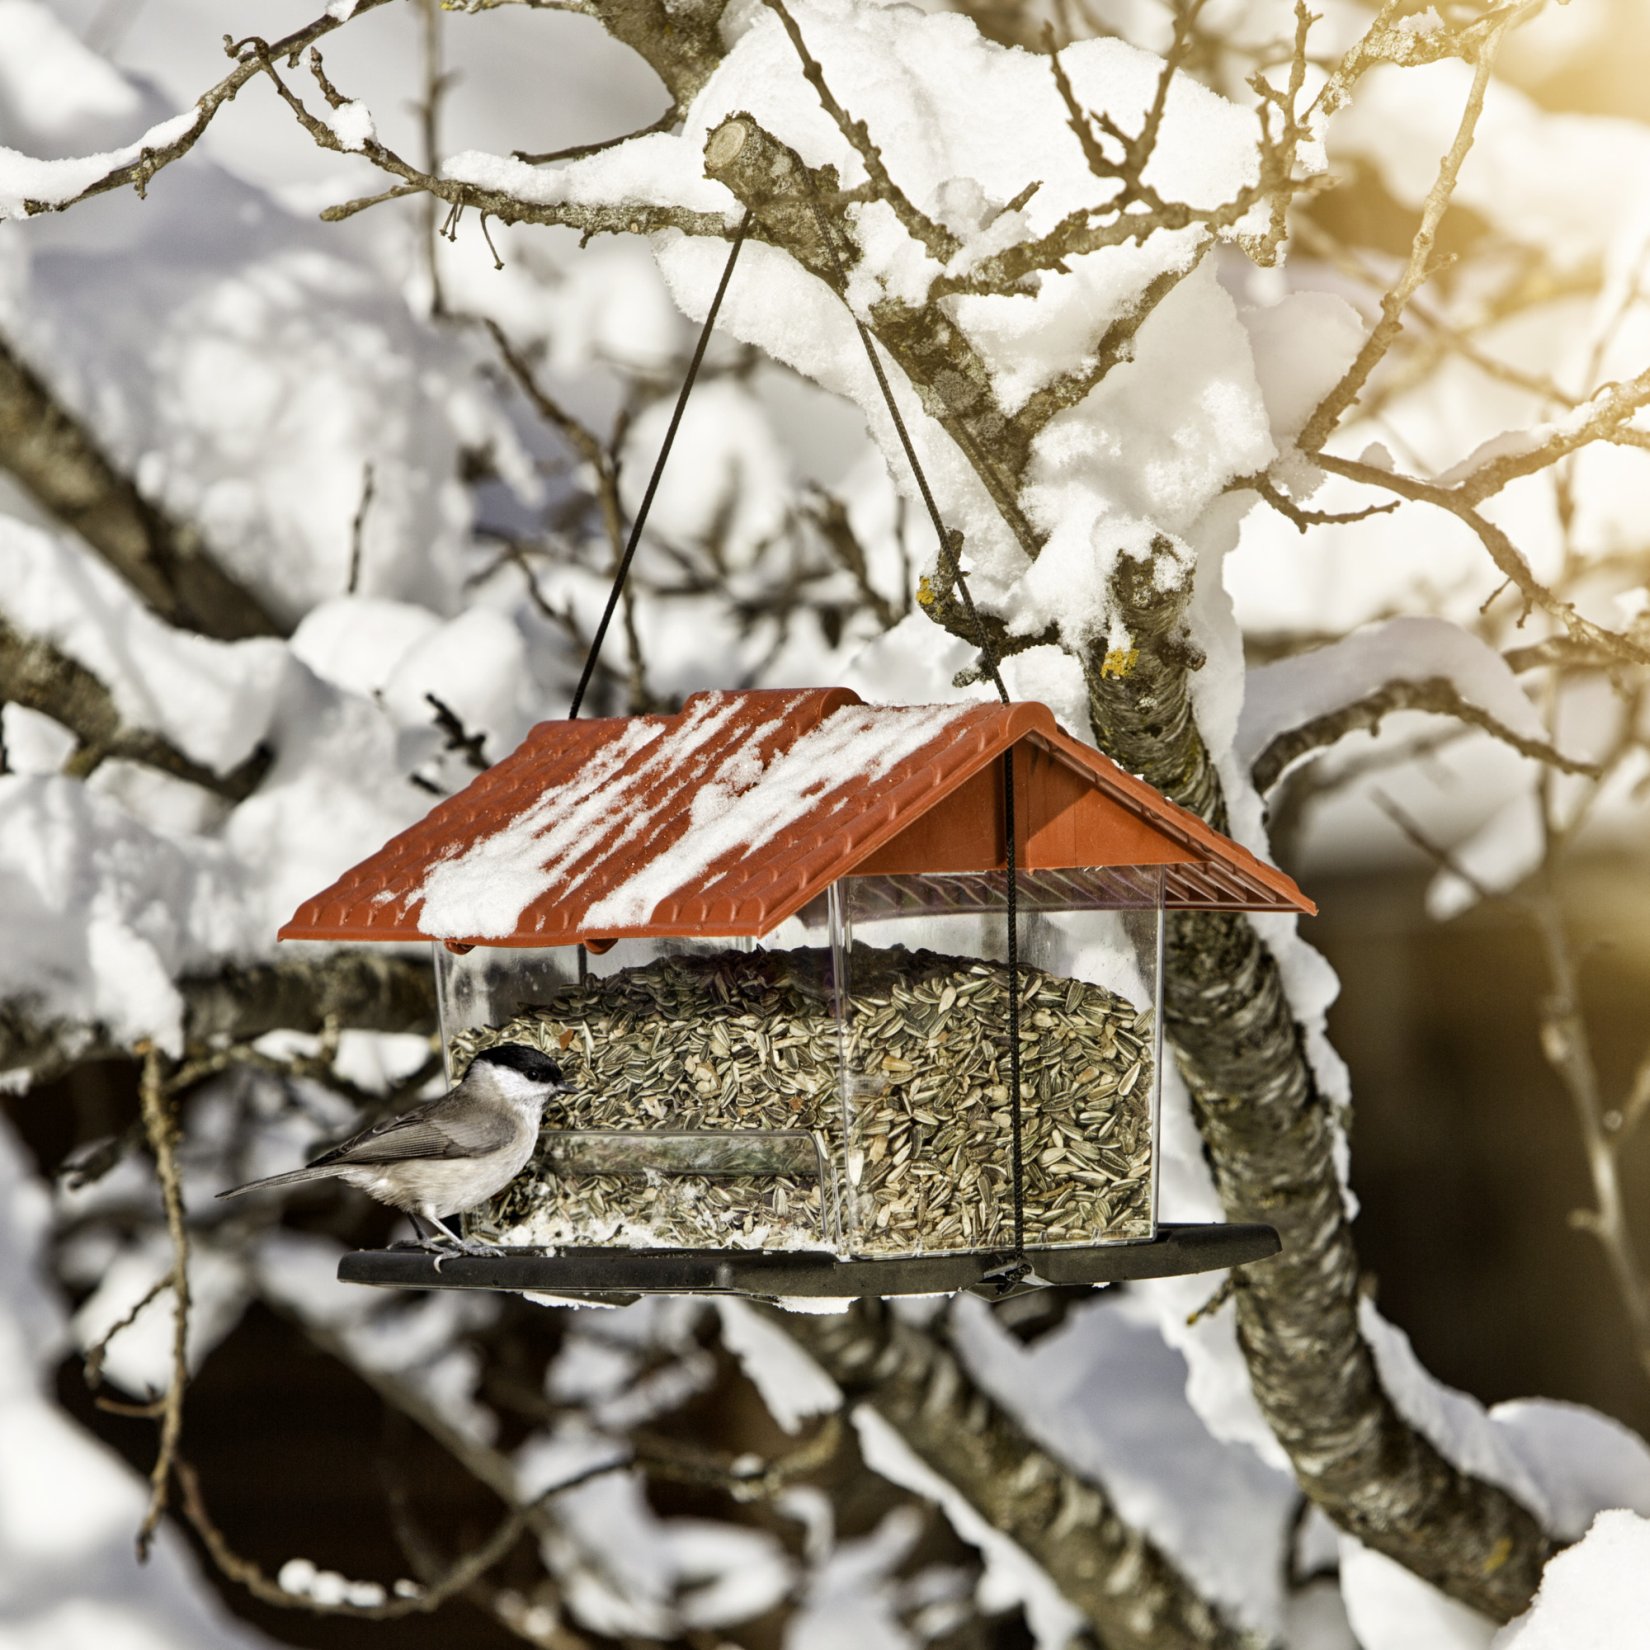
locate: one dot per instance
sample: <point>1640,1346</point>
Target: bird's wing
<point>426,1131</point>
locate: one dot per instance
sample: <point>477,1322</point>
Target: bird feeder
<point>767,940</point>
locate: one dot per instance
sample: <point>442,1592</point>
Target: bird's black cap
<point>530,1062</point>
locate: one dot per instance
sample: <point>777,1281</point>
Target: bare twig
<point>459,738</point>
<point>458,1578</point>
<point>160,1125</point>
<point>1305,519</point>
<point>603,461</point>
<point>1418,266</point>
<point>357,531</point>
<point>139,172</point>
<point>1502,551</point>
<point>99,1350</point>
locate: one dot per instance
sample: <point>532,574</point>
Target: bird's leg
<point>431,1233</point>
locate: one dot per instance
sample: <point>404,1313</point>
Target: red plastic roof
<point>731,815</point>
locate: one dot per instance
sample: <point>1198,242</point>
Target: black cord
<point>951,573</point>
<point>950,569</point>
<point>622,572</point>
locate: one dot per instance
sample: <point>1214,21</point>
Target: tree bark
<point>1271,1147</point>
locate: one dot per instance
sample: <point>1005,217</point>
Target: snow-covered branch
<point>239,1003</point>
<point>56,460</point>
<point>1132,1592</point>
<point>39,677</point>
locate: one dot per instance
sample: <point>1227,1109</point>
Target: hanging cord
<point>622,571</point>
<point>951,574</point>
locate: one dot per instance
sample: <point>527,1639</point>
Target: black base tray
<point>622,1275</point>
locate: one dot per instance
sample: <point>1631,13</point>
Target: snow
<point>728,478</point>
<point>1391,1609</point>
<point>484,890</point>
<point>1011,1576</point>
<point>1108,1395</point>
<point>352,124</point>
<point>1594,1596</point>
<point>792,1386</point>
<point>139,1359</point>
<point>745,804</point>
<point>849,1603</point>
<point>215,701</point>
<point>249,365</point>
<point>64,79</point>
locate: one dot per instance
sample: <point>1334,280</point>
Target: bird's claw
<point>446,1247</point>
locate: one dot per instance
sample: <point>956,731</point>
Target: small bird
<point>448,1154</point>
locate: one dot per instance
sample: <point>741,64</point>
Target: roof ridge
<point>596,819</point>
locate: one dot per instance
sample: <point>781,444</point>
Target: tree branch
<point>34,674</point>
<point>1418,267</point>
<point>1121,1580</point>
<point>1437,694</point>
<point>788,203</point>
<point>160,1124</point>
<point>56,461</point>
<point>1508,560</point>
<point>139,172</point>
<point>942,245</point>
<point>1271,1144</point>
<point>363,990</point>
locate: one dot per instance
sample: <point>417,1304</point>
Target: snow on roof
<point>732,815</point>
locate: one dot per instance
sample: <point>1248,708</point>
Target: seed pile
<point>749,1041</point>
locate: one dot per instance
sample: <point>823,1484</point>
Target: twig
<point>580,151</point>
<point>942,245</point>
<point>460,1575</point>
<point>1502,551</point>
<point>604,467</point>
<point>1418,267</point>
<point>96,1353</point>
<point>160,1125</point>
<point>830,515</point>
<point>1303,518</point>
<point>357,529</point>
<point>459,737</point>
<point>745,1477</point>
<point>139,172</point>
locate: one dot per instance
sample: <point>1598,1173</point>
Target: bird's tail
<point>293,1177</point>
